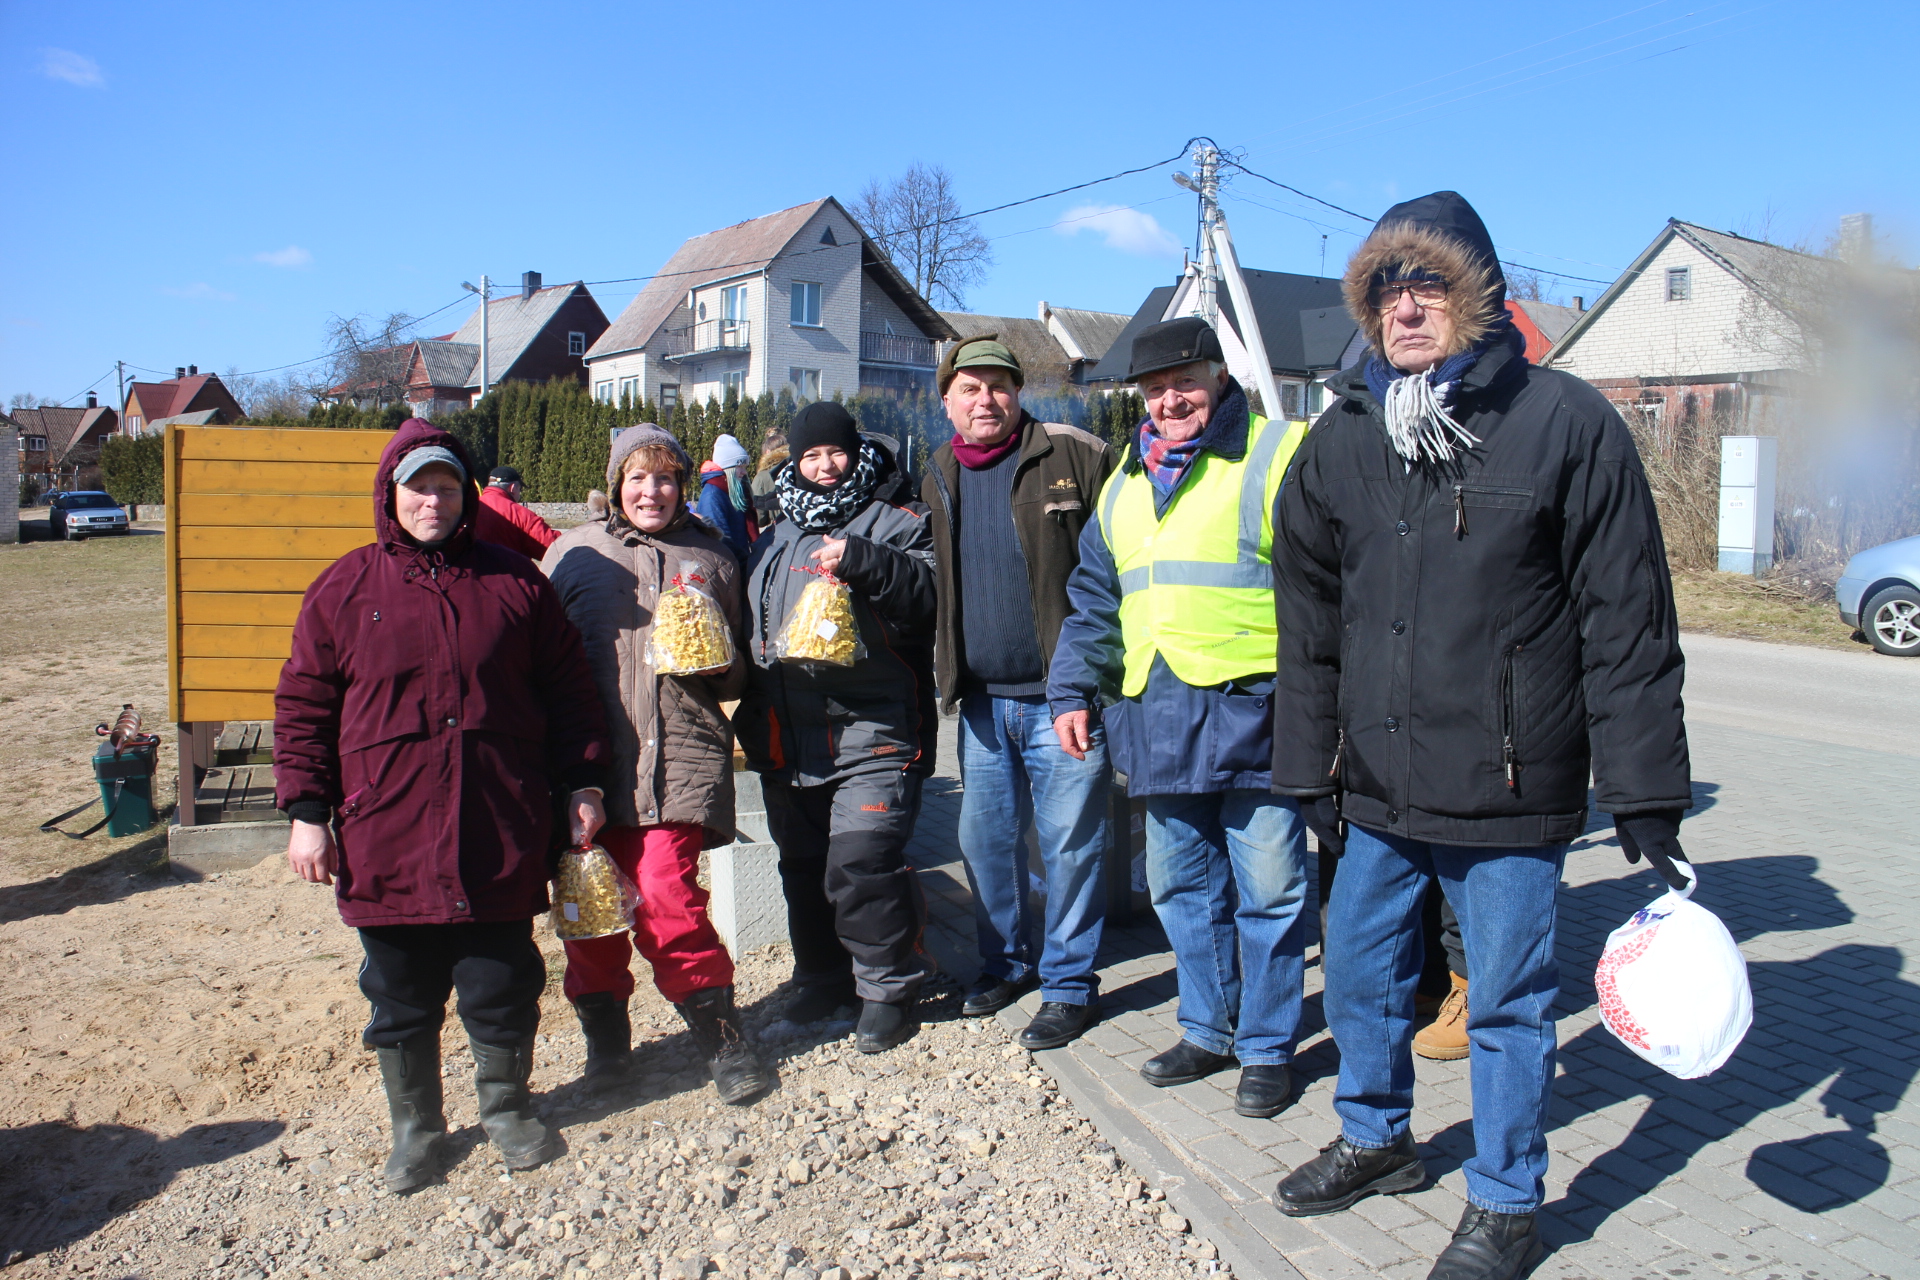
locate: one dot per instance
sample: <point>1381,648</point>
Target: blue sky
<point>208,183</point>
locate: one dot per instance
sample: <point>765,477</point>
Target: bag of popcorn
<point>821,627</point>
<point>591,899</point>
<point>690,634</point>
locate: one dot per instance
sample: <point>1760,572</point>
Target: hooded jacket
<point>431,702</point>
<point>1459,644</point>
<point>1174,739</point>
<point>1057,477</point>
<point>672,745</point>
<point>512,525</point>
<point>813,723</point>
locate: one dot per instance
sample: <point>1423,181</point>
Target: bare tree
<point>368,359</point>
<point>283,399</point>
<point>916,221</point>
<point>1525,284</point>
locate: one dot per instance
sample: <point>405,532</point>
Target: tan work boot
<point>1445,1038</point>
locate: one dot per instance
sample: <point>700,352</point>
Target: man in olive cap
<point>1171,647</point>
<point>1010,496</point>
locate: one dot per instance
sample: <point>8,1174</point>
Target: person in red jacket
<point>506,521</point>
<point>435,695</point>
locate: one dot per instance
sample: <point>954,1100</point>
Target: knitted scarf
<point>1415,406</point>
<point>978,457</point>
<point>817,510</point>
<point>1168,461</point>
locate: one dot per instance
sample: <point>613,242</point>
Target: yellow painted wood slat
<point>239,608</point>
<point>325,511</point>
<point>224,704</point>
<point>296,542</point>
<point>346,479</point>
<point>281,444</point>
<point>197,641</point>
<point>170,493</point>
<point>250,575</point>
<point>230,673</point>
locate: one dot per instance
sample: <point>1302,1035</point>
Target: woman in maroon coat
<point>435,696</point>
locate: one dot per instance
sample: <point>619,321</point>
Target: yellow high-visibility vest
<point>1196,586</point>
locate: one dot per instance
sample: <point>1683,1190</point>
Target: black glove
<point>1657,835</point>
<point>1322,817</point>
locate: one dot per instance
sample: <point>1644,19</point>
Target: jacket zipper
<point>1509,717</point>
<point>1339,754</point>
<point>1459,511</point>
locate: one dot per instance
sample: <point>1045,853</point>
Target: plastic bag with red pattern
<point>1673,985</point>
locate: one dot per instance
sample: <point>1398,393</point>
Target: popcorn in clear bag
<point>821,627</point>
<point>690,633</point>
<point>591,899</point>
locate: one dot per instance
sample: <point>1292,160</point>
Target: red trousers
<point>671,928</point>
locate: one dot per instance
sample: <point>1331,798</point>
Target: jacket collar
<point>1502,361</point>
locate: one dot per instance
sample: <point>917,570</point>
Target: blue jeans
<point>1505,899</point>
<point>1015,776</point>
<point>1227,872</point>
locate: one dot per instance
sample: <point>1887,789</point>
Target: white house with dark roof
<point>801,298</point>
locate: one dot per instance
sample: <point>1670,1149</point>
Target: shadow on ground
<point>108,878</point>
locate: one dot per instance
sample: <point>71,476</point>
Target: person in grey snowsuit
<point>843,751</point>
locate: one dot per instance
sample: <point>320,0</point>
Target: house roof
<point>513,322</point>
<point>178,395</point>
<point>1113,365</point>
<point>1280,299</point>
<point>1755,263</point>
<point>1325,334</point>
<point>740,249</point>
<point>448,364</point>
<point>1031,342</point>
<point>63,427</point>
<point>198,418</point>
<point>1091,331</point>
<point>1550,318</point>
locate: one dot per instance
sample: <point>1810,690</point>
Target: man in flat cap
<point>1010,496</point>
<point>1478,620</point>
<point>1171,646</point>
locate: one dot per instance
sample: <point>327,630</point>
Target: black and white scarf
<point>816,510</point>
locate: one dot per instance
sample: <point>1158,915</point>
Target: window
<point>576,344</point>
<point>133,425</point>
<point>1679,284</point>
<point>1290,400</point>
<point>733,311</point>
<point>1316,399</point>
<point>629,391</point>
<point>806,383</point>
<point>733,384</point>
<point>36,444</point>
<point>603,391</point>
<point>806,303</point>
<point>669,394</point>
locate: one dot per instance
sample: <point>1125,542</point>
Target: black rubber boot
<point>738,1073</point>
<point>603,1016</point>
<point>411,1073</point>
<point>882,1026</point>
<point>819,1000</point>
<point>1489,1246</point>
<point>1342,1174</point>
<point>500,1075</point>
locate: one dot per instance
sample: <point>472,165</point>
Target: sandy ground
<point>185,1094</point>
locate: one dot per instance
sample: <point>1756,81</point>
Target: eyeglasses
<point>1426,293</point>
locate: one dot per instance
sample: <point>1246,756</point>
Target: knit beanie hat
<point>729,452</point>
<point>823,422</point>
<point>641,434</point>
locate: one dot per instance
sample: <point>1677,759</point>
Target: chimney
<point>529,284</point>
<point>193,371</point>
<point>1579,303</point>
<point>179,372</point>
<point>1856,237</point>
<point>93,401</point>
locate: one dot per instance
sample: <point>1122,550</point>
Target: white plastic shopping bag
<point>1673,986</point>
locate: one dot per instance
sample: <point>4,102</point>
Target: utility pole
<point>120,370</point>
<point>485,291</point>
<point>1218,263</point>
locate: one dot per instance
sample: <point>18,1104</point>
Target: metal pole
<point>1207,160</point>
<point>120,370</point>
<point>485,291</point>
<point>1249,320</point>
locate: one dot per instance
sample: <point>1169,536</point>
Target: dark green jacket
<point>1055,483</point>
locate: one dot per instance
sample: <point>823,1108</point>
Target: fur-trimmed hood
<point>1441,234</point>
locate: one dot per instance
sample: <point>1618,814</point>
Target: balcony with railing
<point>708,337</point>
<point>897,348</point>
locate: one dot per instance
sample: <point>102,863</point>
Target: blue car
<point>1879,595</point>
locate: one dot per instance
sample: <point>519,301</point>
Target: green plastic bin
<point>126,787</point>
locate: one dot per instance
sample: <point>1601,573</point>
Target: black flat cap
<point>1172,343</point>
<point>505,475</point>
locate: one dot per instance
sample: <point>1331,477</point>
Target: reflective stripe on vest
<point>1209,613</point>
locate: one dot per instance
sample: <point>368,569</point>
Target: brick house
<point>1671,339</point>
<point>10,458</point>
<point>60,447</point>
<point>801,298</point>
<point>188,391</point>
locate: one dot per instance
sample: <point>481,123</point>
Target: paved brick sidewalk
<point>1800,1158</point>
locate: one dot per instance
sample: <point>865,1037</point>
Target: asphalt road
<point>1859,699</point>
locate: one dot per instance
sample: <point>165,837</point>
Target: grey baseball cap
<point>426,456</point>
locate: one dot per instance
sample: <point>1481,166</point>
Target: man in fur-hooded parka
<point>1474,612</point>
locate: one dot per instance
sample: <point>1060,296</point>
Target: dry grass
<point>1776,609</point>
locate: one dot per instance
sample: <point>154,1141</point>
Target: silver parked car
<point>1879,596</point>
<point>73,516</point>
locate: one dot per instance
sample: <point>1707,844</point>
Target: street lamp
<point>484,290</point>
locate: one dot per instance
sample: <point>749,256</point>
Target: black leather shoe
<point>988,995</point>
<point>1489,1246</point>
<point>1183,1064</point>
<point>1343,1174</point>
<point>819,1002</point>
<point>882,1026</point>
<point>1264,1091</point>
<point>1057,1023</point>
